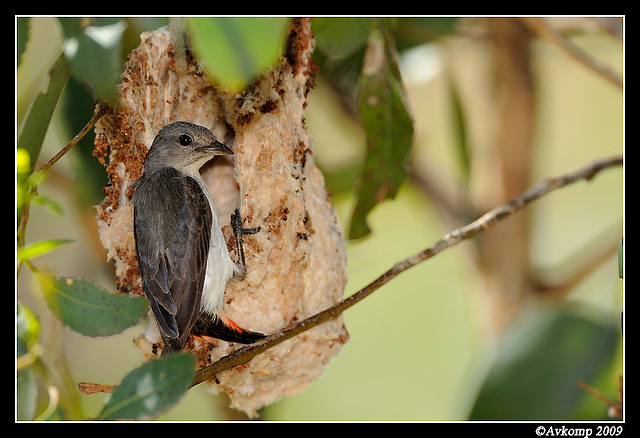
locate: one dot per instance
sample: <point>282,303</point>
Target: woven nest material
<point>296,263</point>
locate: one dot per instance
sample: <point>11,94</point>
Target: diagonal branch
<point>542,27</point>
<point>451,239</point>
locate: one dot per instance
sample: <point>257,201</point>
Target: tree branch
<point>100,110</point>
<point>451,239</point>
<point>245,354</point>
<point>542,28</point>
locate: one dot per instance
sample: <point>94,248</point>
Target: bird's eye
<point>185,140</point>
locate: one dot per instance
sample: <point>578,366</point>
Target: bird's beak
<point>217,148</point>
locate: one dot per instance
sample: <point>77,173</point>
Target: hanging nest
<point>296,263</point>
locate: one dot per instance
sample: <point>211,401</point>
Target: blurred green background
<point>430,343</point>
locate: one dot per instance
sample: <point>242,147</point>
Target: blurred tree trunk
<point>505,249</point>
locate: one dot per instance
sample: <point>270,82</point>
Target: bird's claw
<point>238,232</point>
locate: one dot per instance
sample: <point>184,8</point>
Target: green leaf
<point>539,361</point>
<point>150,389</point>
<point>39,114</point>
<point>94,53</point>
<point>388,125</point>
<point>341,36</point>
<point>76,107</point>
<point>415,31</point>
<point>459,126</point>
<point>36,249</point>
<point>28,328</point>
<point>89,309</point>
<point>237,50</point>
<point>47,202</point>
<point>22,36</point>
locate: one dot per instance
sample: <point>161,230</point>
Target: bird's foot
<point>238,232</point>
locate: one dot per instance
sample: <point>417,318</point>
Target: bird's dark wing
<point>172,226</point>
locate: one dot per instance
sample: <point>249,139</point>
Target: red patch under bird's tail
<point>225,329</point>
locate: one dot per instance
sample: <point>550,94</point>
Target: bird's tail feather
<point>225,329</point>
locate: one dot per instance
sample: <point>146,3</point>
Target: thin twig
<point>33,190</point>
<point>97,114</point>
<point>615,408</point>
<point>542,28</point>
<point>95,388</point>
<point>243,355</point>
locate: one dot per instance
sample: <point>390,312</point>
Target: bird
<point>182,254</point>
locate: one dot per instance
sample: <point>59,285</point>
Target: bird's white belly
<point>220,267</point>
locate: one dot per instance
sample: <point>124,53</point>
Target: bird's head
<point>184,146</point>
